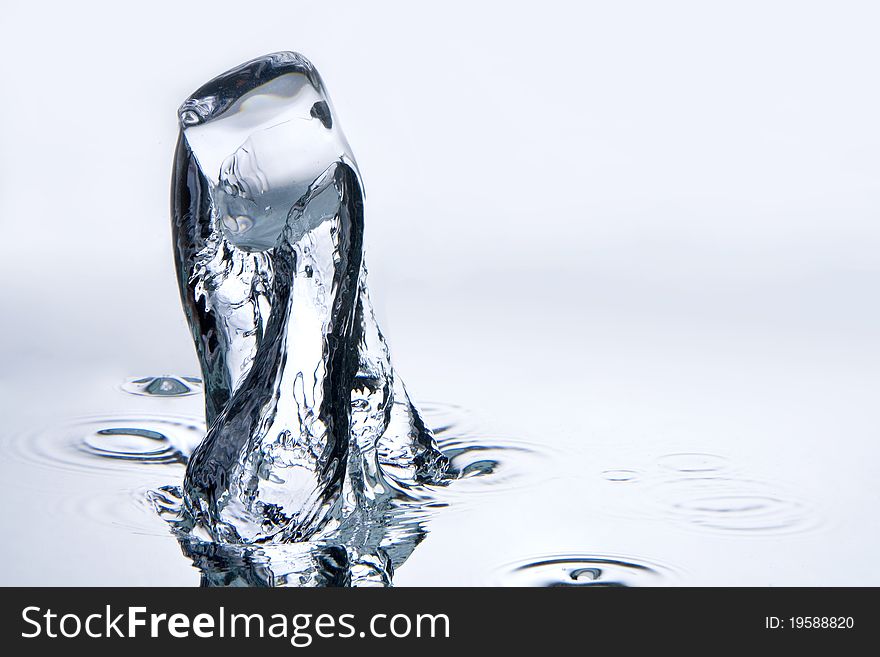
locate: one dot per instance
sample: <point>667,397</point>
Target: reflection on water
<point>313,563</point>
<point>290,564</point>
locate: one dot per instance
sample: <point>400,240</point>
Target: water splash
<point>312,433</point>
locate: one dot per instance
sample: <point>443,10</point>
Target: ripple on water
<point>585,570</point>
<point>693,462</point>
<point>733,506</point>
<point>620,475</point>
<point>123,508</point>
<point>446,419</point>
<point>494,465</point>
<point>148,443</point>
<point>164,386</point>
<point>483,464</point>
<point>132,444</point>
<point>110,443</point>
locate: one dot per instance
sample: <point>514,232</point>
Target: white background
<point>646,224</point>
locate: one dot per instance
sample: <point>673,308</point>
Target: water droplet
<point>164,386</point>
<point>585,570</point>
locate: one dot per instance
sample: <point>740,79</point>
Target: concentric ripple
<point>483,464</point>
<point>501,465</point>
<point>110,444</point>
<point>585,570</point>
<point>447,419</point>
<point>132,444</point>
<point>121,508</point>
<point>735,506</point>
<point>693,462</point>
